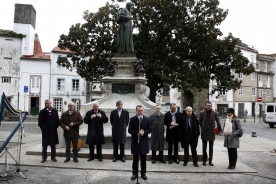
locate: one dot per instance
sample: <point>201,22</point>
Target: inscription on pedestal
<point>123,88</point>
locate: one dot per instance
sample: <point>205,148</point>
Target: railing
<point>259,68</point>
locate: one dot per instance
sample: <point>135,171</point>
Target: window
<point>239,75</point>
<point>240,91</point>
<point>166,91</point>
<point>253,76</point>
<point>257,66</point>
<point>6,79</point>
<point>260,92</point>
<point>252,58</point>
<point>60,86</point>
<point>58,105</point>
<point>77,104</point>
<point>265,66</point>
<point>74,63</point>
<point>35,85</point>
<point>260,78</point>
<point>75,85</point>
<point>222,92</point>
<point>268,92</point>
<point>253,91</point>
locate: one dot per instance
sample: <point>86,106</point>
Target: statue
<point>109,67</point>
<point>125,37</point>
<point>138,68</point>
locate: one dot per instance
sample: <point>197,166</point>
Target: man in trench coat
<point>48,122</point>
<point>119,119</point>
<point>207,120</point>
<point>95,119</point>
<point>157,134</point>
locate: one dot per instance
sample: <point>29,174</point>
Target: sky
<point>253,21</point>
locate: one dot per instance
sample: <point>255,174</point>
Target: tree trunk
<point>152,93</point>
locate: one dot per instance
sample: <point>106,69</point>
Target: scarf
<point>228,126</point>
<point>173,116</point>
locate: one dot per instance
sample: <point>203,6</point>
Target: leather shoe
<point>90,159</point>
<point>75,159</point>
<point>114,159</point>
<point>67,159</point>
<point>134,177</point>
<point>185,164</point>
<point>123,159</point>
<point>196,164</point>
<point>170,161</point>
<point>176,161</point>
<point>229,166</point>
<point>162,161</point>
<point>43,160</point>
<point>211,163</point>
<point>153,161</point>
<point>204,163</point>
<point>54,159</point>
<point>232,167</point>
<point>144,177</point>
<point>100,159</point>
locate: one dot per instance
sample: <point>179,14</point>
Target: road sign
<point>25,89</point>
<point>260,99</point>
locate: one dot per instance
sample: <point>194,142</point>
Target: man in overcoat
<point>189,133</point>
<point>208,119</point>
<point>157,134</point>
<point>172,137</point>
<point>70,121</point>
<point>142,123</point>
<point>48,122</point>
<point>95,119</point>
<point>119,119</point>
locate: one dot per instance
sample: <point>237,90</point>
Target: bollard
<point>254,134</point>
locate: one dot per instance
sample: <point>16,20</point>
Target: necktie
<point>119,113</point>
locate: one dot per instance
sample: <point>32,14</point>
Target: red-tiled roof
<point>38,56</point>
<point>59,50</point>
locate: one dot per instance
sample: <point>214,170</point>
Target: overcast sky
<point>253,21</point>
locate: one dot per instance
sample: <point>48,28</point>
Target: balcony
<point>259,68</point>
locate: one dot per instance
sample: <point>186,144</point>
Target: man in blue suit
<point>139,128</point>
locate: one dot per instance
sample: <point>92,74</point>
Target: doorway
<point>34,106</point>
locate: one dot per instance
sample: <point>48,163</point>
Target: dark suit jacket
<point>172,134</point>
<point>133,129</point>
<point>95,125</point>
<point>119,125</point>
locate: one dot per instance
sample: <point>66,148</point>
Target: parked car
<point>270,114</point>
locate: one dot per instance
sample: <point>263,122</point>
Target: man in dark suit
<point>172,132</point>
<point>207,120</point>
<point>48,122</point>
<point>119,119</point>
<point>189,133</point>
<point>139,128</point>
<point>95,119</point>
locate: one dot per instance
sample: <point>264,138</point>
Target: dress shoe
<point>100,159</point>
<point>170,161</point>
<point>196,164</point>
<point>162,161</point>
<point>90,159</point>
<point>232,167</point>
<point>204,163</point>
<point>176,161</point>
<point>144,177</point>
<point>43,160</point>
<point>153,161</point>
<point>114,159</point>
<point>75,159</point>
<point>229,166</point>
<point>185,164</point>
<point>123,159</point>
<point>211,163</point>
<point>134,177</point>
<point>67,159</point>
<point>54,159</point>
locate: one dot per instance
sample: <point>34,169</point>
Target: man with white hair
<point>95,119</point>
<point>189,133</point>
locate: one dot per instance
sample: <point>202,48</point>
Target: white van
<point>270,114</point>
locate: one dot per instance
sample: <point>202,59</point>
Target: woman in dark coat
<point>231,130</point>
<point>48,121</point>
<point>95,119</point>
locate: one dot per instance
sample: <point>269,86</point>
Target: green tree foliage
<point>178,41</point>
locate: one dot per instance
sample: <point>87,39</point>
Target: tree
<point>178,41</point>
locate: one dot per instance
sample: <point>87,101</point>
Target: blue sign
<point>25,89</point>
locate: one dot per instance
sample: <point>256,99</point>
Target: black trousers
<point>160,156</point>
<point>192,143</point>
<point>135,164</point>
<point>233,156</point>
<point>75,146</point>
<point>175,150</point>
<point>115,150</point>
<point>204,148</point>
<point>99,150</point>
<point>53,151</point>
